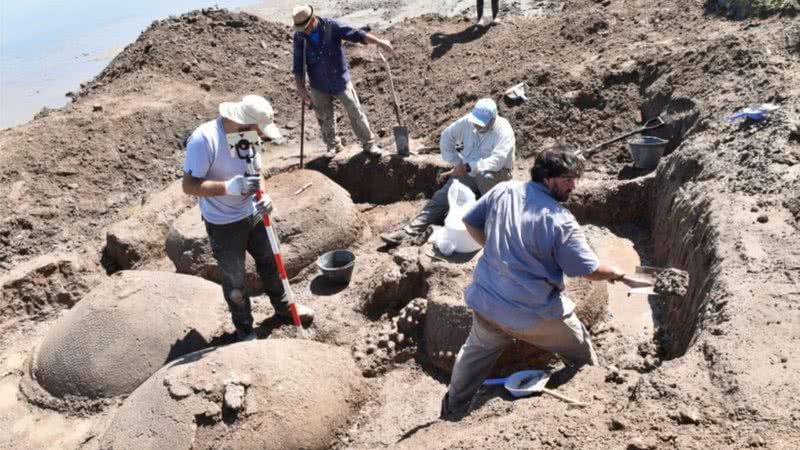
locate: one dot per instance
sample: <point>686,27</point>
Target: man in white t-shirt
<point>487,158</point>
<point>232,216</point>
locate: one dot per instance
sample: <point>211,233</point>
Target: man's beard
<point>562,196</point>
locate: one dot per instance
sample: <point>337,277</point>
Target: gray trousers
<point>229,243</point>
<point>566,337</point>
<point>437,207</point>
<point>323,108</point>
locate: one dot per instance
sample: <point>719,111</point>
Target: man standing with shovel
<point>317,44</point>
<point>530,243</point>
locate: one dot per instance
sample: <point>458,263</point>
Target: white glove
<point>243,185</point>
<point>264,206</point>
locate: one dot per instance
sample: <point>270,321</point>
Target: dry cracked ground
<point>114,331</point>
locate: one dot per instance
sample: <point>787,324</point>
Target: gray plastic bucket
<point>337,265</point>
<point>646,151</point>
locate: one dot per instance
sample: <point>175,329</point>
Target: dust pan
<point>528,382</point>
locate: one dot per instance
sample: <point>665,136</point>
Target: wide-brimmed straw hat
<point>301,14</point>
<point>253,109</point>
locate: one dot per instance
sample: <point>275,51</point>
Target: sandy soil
<point>716,369</point>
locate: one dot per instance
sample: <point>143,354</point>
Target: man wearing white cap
<point>318,48</point>
<point>487,158</point>
<point>216,172</point>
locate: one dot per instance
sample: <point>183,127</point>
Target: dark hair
<point>556,160</point>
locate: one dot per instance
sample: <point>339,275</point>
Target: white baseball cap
<point>483,112</point>
<point>253,109</point>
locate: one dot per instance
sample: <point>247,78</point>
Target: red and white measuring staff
<point>276,250</point>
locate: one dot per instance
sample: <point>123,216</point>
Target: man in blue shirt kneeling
<point>317,44</point>
<point>530,243</point>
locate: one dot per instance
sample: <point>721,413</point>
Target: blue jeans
<point>229,243</point>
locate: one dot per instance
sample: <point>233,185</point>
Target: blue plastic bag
<point>756,112</point>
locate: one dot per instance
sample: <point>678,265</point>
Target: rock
<point>43,286</point>
<point>140,238</point>
<point>309,388</point>
<point>762,218</point>
<point>323,218</point>
<point>124,330</point>
<point>234,396</point>
<point>97,108</point>
<point>687,416</point>
<point>639,443</point>
<point>618,423</point>
<point>756,440</point>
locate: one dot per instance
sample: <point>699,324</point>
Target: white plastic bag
<point>455,236</point>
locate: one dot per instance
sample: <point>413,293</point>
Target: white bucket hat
<point>253,109</point>
<point>301,14</point>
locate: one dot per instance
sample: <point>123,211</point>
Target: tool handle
<point>649,125</point>
<point>302,129</point>
<point>391,87</point>
<point>563,397</point>
<point>635,282</point>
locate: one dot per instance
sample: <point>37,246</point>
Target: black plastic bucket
<point>337,266</point>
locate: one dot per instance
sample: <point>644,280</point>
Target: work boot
<point>332,151</point>
<point>373,150</point>
<point>449,414</point>
<point>305,313</point>
<point>244,336</point>
<point>397,238</point>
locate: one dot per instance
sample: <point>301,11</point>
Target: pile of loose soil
<point>672,282</point>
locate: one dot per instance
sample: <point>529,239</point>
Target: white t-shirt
<point>208,157</point>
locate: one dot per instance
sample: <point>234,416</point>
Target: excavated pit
<point>652,203</point>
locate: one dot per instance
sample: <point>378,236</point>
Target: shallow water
<point>48,47</point>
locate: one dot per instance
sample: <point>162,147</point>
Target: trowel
<point>400,132</point>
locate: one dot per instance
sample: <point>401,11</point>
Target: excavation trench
<point>655,222</point>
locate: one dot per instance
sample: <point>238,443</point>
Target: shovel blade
<point>401,141</point>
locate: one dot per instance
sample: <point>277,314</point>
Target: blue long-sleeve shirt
<point>327,68</point>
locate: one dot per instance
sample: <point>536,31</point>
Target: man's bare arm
<point>476,233</point>
<point>200,187</point>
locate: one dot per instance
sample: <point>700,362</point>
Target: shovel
<point>649,125</point>
<point>527,382</point>
<point>400,132</point>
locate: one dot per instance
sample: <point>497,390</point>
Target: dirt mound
<point>140,238</point>
<point>45,285</point>
<point>308,223</point>
<point>126,329</point>
<point>268,394</point>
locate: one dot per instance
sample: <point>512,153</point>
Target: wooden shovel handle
<point>563,397</point>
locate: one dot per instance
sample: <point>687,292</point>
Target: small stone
<point>756,441</point>
<point>370,349</point>
<point>687,416</point>
<point>639,444</point>
<point>763,218</point>
<point>205,86</point>
<point>234,396</point>
<point>400,338</point>
<point>618,423</point>
<point>382,342</point>
<point>784,359</point>
<point>97,107</point>
<point>291,125</point>
<point>390,346</point>
<point>186,67</point>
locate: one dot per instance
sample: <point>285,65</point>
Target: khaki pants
<point>437,207</point>
<point>565,337</point>
<point>323,108</point>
